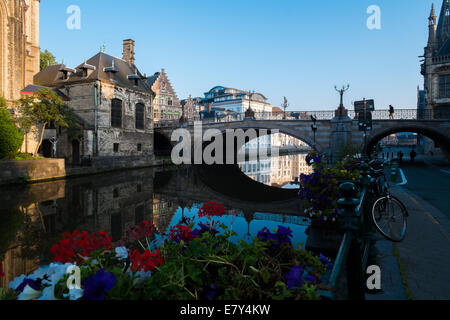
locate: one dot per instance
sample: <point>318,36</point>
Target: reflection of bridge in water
<point>193,184</point>
<point>278,218</point>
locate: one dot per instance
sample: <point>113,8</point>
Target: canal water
<point>255,194</point>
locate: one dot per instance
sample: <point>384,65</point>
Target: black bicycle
<point>389,214</point>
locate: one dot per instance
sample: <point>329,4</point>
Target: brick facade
<point>95,88</point>
<point>166,104</point>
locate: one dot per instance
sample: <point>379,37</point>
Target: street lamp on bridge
<point>285,105</point>
<point>341,111</point>
<point>314,129</point>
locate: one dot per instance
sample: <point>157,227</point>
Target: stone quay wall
<point>31,171</point>
<point>13,172</point>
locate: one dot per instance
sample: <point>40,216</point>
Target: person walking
<point>412,155</point>
<point>400,156</point>
<point>391,112</point>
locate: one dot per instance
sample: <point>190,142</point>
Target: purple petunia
<point>265,235</point>
<point>95,287</point>
<point>325,261</point>
<point>296,278</point>
<point>212,291</point>
<point>33,284</point>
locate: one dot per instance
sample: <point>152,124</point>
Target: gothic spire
<point>443,29</point>
<point>432,13</point>
<point>432,29</point>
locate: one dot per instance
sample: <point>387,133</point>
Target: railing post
<point>369,231</point>
<point>351,223</point>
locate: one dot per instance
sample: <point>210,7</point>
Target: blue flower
<point>294,277</point>
<point>211,292</point>
<point>203,229</point>
<point>325,261</point>
<point>33,284</point>
<point>283,235</point>
<point>265,234</point>
<point>96,286</point>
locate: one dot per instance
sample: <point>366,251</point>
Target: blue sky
<point>299,49</point>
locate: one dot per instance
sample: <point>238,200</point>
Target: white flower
<point>29,293</point>
<point>54,273</point>
<point>121,253</point>
<point>141,277</point>
<point>16,282</point>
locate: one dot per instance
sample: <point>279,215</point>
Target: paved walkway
<point>424,254</point>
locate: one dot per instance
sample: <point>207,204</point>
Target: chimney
<point>128,51</point>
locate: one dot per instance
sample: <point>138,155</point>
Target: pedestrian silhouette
<point>412,155</point>
<point>391,112</point>
<point>400,156</point>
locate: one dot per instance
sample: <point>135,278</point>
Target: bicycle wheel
<point>389,216</point>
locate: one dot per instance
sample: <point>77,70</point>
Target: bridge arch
<point>303,134</point>
<point>162,144</point>
<point>442,139</point>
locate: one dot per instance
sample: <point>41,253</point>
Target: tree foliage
<point>11,138</point>
<point>47,59</point>
<point>42,108</point>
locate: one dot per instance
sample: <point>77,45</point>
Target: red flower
<point>2,274</point>
<point>211,209</point>
<point>181,232</point>
<point>147,261</point>
<point>77,244</point>
<point>133,234</point>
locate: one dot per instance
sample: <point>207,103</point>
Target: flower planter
<point>324,238</point>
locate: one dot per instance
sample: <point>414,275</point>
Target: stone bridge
<point>332,135</point>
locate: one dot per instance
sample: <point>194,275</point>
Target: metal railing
<point>399,114</point>
<point>358,240</point>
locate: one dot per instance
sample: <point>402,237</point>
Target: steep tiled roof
<point>151,80</point>
<point>53,75</point>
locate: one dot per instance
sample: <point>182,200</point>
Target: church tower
<point>19,45</point>
<point>432,28</point>
<point>436,66</point>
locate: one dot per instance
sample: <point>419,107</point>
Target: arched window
<point>140,116</point>
<point>116,113</point>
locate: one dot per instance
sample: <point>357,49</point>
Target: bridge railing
<point>358,240</point>
<point>399,114</point>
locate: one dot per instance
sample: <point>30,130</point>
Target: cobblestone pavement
<point>424,254</point>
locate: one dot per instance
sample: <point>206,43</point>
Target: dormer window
<point>111,71</point>
<point>66,72</point>
<point>134,77</point>
<point>87,69</point>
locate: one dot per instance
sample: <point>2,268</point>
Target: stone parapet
<point>31,170</point>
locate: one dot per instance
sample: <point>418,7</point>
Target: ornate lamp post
<point>285,105</point>
<point>341,111</point>
<point>314,129</point>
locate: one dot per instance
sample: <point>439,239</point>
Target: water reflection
<point>277,171</point>
<point>35,216</point>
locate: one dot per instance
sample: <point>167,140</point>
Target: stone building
<point>436,66</point>
<point>19,46</point>
<point>190,109</point>
<point>236,100</point>
<point>19,52</point>
<point>166,104</point>
<point>112,103</point>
